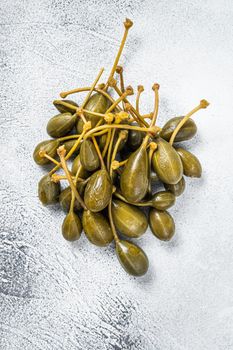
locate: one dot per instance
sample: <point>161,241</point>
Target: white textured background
<point>60,296</point>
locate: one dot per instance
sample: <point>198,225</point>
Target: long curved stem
<point>121,126</point>
<point>88,88</point>
<point>132,109</point>
<point>156,107</point>
<point>202,104</point>
<point>92,87</point>
<point>61,152</point>
<point>107,143</point>
<point>138,204</point>
<point>140,90</point>
<point>99,153</point>
<point>110,148</point>
<point>128,24</point>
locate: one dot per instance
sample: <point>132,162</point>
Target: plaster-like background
<point>55,295</point>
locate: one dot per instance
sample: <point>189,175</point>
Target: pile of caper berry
<point>117,155</point>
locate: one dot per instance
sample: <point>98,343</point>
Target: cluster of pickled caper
<point>117,154</point>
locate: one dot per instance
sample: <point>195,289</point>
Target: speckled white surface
<point>55,295</point>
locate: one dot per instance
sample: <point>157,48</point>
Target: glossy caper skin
<point>162,224</point>
<point>69,144</point>
<point>98,191</point>
<point>61,124</point>
<point>48,191</point>
<point>187,131</point>
<point>64,109</point>
<point>176,189</point>
<point>97,103</point>
<point>134,178</point>
<point>135,139</point>
<point>88,156</point>
<point>97,228</point>
<point>192,166</point>
<point>163,200</point>
<point>71,227</point>
<point>132,258</point>
<point>76,165</point>
<point>50,147</point>
<point>65,200</point>
<point>129,220</point>
<point>166,162</point>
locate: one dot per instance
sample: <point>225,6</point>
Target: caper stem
<point>57,178</point>
<point>128,24</point>
<point>66,104</point>
<point>69,154</point>
<point>116,164</point>
<point>110,148</point>
<point>202,104</point>
<point>140,90</point>
<point>92,87</point>
<point>132,111</point>
<point>119,139</point>
<point>156,107</point>
<point>121,98</point>
<point>62,152</point>
<point>65,138</point>
<point>88,88</point>
<point>138,204</point>
<point>119,70</point>
<point>121,126</point>
<point>43,154</point>
<point>100,133</point>
<point>106,143</point>
<point>115,235</point>
<point>81,115</point>
<point>98,152</point>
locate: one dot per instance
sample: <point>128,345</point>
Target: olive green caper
<point>71,227</point>
<point>61,124</point>
<point>187,131</point>
<point>48,190</point>
<point>69,144</point>
<point>163,200</point>
<point>178,188</point>
<point>76,165</point>
<point>132,258</point>
<point>65,200</point>
<point>192,166</point>
<point>98,191</point>
<point>135,139</point>
<point>97,228</point>
<point>162,224</point>
<point>97,103</point>
<point>166,162</point>
<point>134,177</point>
<point>129,220</point>
<point>49,147</point>
<point>88,156</point>
<point>63,109</point>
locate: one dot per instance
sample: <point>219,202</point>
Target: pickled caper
<point>162,224</point>
<point>132,258</point>
<point>129,220</point>
<point>187,131</point>
<point>48,190</point>
<point>192,166</point>
<point>97,228</point>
